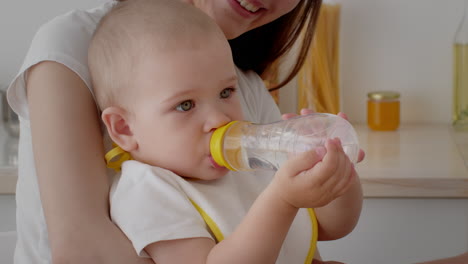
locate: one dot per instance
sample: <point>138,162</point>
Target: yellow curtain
<point>318,80</point>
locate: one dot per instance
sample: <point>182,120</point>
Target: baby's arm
<point>297,184</point>
<point>252,242</point>
<point>338,218</point>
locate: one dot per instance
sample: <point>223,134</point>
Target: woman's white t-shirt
<point>65,40</point>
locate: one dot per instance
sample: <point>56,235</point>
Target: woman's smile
<point>247,8</point>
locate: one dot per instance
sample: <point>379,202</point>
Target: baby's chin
<point>213,174</point>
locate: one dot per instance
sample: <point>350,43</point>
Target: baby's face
<point>181,98</point>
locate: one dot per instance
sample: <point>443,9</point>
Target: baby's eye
<point>226,93</point>
<point>185,106</point>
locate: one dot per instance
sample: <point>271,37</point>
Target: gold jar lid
<point>383,95</point>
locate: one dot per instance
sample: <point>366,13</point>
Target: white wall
<point>19,20</point>
<point>401,45</point>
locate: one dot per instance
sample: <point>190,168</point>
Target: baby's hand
<point>315,178</point>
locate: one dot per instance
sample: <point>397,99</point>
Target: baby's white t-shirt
<point>65,39</point>
<point>151,204</point>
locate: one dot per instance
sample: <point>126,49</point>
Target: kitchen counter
<point>415,161</point>
<point>418,160</point>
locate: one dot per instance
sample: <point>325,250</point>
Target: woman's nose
<point>215,120</point>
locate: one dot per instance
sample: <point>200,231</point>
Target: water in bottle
<point>242,145</point>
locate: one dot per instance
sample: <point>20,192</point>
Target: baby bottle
<point>244,146</point>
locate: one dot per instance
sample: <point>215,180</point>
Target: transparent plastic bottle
<point>243,146</point>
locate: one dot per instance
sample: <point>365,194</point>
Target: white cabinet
<point>7,213</point>
<point>403,231</point>
<point>7,227</point>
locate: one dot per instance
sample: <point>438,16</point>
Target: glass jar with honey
<point>383,110</point>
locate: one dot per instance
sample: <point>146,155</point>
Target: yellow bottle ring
<point>217,146</point>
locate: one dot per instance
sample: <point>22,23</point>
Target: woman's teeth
<point>248,6</point>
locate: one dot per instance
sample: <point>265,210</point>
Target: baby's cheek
<point>238,112</point>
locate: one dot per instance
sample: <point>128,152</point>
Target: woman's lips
<point>242,11</point>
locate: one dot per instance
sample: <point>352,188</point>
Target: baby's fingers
<point>332,159</point>
<point>344,183</point>
<point>303,161</point>
<point>335,165</point>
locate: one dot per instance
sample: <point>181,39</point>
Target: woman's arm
<point>74,187</point>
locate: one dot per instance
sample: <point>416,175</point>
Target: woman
<point>63,185</point>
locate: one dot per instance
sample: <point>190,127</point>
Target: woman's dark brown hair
<point>258,48</point>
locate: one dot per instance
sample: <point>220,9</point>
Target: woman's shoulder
<point>70,30</point>
<point>64,39</point>
<point>251,84</point>
<point>249,77</point>
<point>256,101</point>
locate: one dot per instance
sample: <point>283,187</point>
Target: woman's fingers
<point>343,115</point>
<point>288,116</point>
<point>306,111</point>
<point>361,155</point>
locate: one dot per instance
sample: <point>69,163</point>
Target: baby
<point>164,78</point>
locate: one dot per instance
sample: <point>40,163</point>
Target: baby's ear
<point>116,120</point>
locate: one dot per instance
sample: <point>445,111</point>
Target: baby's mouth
<point>214,164</point>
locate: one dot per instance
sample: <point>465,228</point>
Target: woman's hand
<point>306,111</point>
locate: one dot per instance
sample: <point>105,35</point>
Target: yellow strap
<point>115,153</point>
<point>313,242</point>
<point>219,235</point>
<point>211,224</point>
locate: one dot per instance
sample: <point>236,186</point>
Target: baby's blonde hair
<point>130,31</point>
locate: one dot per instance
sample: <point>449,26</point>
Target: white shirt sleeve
<point>257,103</point>
<point>65,40</point>
<point>144,222</point>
